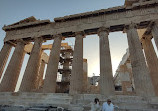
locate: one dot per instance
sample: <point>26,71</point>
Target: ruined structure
<point>130,18</point>
<point>65,70</point>
<point>123,78</point>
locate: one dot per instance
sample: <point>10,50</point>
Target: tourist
<point>108,106</point>
<point>95,106</point>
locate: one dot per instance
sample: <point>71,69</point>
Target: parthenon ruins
<point>137,73</point>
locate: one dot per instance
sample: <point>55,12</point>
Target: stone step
<point>31,99</point>
<point>136,110</point>
<point>125,105</point>
<point>42,101</point>
<point>139,106</point>
<point>131,106</point>
<point>123,102</point>
<point>37,109</point>
<point>73,107</point>
<point>50,109</point>
<point>127,109</point>
<point>12,108</point>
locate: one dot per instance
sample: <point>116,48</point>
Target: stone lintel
<point>29,24</point>
<point>100,12</point>
<point>115,21</point>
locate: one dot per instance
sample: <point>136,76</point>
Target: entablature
<point>115,21</point>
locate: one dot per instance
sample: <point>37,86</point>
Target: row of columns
<point>10,78</point>
<point>142,79</point>
<point>152,61</point>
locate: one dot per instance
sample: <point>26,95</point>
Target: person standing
<point>108,106</point>
<point>95,106</point>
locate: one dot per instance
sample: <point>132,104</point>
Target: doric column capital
<point>39,39</point>
<point>103,31</point>
<point>10,43</point>
<point>22,41</point>
<point>156,22</point>
<point>81,33</point>
<point>7,42</point>
<point>59,36</point>
<point>130,26</point>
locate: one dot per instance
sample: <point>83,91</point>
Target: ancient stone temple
<point>137,18</point>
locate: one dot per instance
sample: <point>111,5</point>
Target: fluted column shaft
<point>66,65</point>
<point>152,62</point>
<point>30,76</point>
<point>76,79</point>
<point>142,80</point>
<point>40,75</point>
<point>85,75</point>
<point>52,68</point>
<point>4,54</point>
<point>106,77</point>
<point>11,75</point>
<point>155,33</point>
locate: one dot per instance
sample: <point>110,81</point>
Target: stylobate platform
<point>80,102</point>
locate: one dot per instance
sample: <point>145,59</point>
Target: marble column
<point>4,54</point>
<point>11,75</point>
<point>66,64</point>
<point>142,80</point>
<point>85,75</point>
<point>41,73</point>
<point>155,33</point>
<point>106,77</point>
<point>52,68</point>
<point>76,79</point>
<point>28,83</point>
<point>152,61</point>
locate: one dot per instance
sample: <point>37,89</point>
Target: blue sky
<point>12,11</point>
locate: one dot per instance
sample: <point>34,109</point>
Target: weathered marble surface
<point>79,102</point>
<point>115,18</point>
